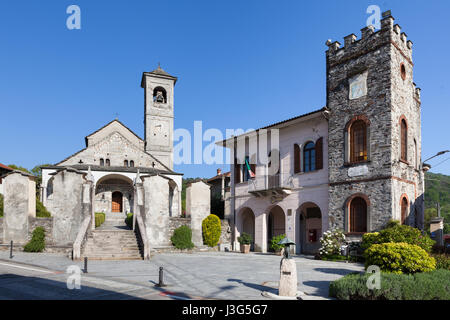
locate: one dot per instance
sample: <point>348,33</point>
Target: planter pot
<point>245,248</point>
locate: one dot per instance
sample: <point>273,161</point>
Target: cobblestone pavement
<point>204,275</point>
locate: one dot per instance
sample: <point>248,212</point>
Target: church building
<point>114,154</point>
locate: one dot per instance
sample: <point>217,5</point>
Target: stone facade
<point>384,98</point>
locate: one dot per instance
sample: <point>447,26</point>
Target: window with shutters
<point>131,163</point>
<point>108,163</point>
<point>297,155</point>
<point>358,215</point>
<point>309,157</point>
<point>125,163</point>
<point>102,162</point>
<point>403,140</point>
<point>358,141</point>
<point>319,154</point>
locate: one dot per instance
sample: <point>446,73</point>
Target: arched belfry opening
<point>159,95</point>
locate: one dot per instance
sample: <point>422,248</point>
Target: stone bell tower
<point>159,113</point>
<point>374,131</point>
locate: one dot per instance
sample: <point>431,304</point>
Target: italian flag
<point>252,174</point>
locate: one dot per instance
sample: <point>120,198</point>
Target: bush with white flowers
<point>331,242</point>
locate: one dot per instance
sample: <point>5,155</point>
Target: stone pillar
<point>19,192</point>
<point>437,230</point>
<point>198,207</point>
<point>288,278</point>
<point>156,210</point>
<point>44,195</point>
<point>261,232</point>
<point>71,204</point>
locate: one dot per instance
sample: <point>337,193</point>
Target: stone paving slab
<point>213,275</point>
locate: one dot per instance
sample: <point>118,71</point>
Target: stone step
<point>113,257</point>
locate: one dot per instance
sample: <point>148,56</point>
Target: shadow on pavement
<point>255,286</point>
<point>341,272</point>
<point>19,287</point>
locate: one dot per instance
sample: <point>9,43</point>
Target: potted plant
<point>245,241</point>
<point>277,248</point>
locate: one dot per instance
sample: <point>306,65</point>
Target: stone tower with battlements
<point>159,114</point>
<point>374,161</point>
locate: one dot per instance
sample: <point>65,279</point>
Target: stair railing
<point>81,237</point>
<point>143,234</point>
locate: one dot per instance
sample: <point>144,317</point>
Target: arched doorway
<point>357,220</point>
<point>117,201</point>
<point>114,193</point>
<point>276,224</point>
<point>308,228</point>
<point>247,224</point>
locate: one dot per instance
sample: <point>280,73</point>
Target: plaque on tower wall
<point>358,86</point>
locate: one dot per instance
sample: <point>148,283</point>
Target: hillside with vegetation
<point>437,190</point>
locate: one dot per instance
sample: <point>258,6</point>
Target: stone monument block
<point>288,278</point>
<point>69,206</point>
<point>19,204</point>
<point>156,209</point>
<point>198,207</point>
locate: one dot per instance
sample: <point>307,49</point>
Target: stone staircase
<point>113,240</point>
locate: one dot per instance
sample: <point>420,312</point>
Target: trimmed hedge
<point>212,229</point>
<point>129,220</point>
<point>182,238</point>
<point>398,233</point>
<point>434,285</point>
<point>99,218</point>
<point>37,242</point>
<point>399,258</point>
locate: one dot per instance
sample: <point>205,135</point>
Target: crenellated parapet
<point>370,40</point>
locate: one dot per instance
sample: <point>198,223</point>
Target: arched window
<point>309,157</point>
<point>319,153</point>
<point>296,158</point>
<point>102,162</point>
<point>159,95</point>
<point>358,215</point>
<point>131,163</point>
<point>108,163</point>
<point>404,140</point>
<point>358,141</point>
<point>125,163</point>
<point>404,210</point>
<point>416,165</point>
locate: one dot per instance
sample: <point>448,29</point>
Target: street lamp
<point>426,166</point>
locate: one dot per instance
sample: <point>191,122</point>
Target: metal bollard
<point>161,278</point>
<point>85,264</point>
<point>11,250</point>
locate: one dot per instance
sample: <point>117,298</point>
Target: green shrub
<point>399,258</point>
<point>99,218</point>
<point>182,238</point>
<point>37,242</point>
<point>1,205</point>
<point>434,285</point>
<point>129,220</point>
<point>245,238</point>
<point>392,223</point>
<point>369,239</point>
<point>274,242</point>
<point>212,229</point>
<point>41,211</point>
<point>442,261</point>
<point>399,233</point>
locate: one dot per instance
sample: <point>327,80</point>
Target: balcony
<point>278,185</point>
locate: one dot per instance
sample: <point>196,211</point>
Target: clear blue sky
<point>241,64</point>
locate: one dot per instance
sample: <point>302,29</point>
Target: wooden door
<point>116,202</point>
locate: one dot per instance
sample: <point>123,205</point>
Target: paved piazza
<point>206,275</point>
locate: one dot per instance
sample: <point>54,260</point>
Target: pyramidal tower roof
<point>158,72</point>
